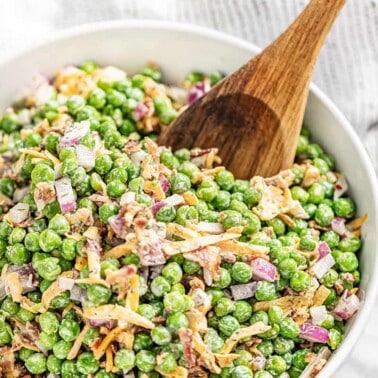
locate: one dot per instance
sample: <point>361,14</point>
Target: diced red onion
<point>341,186</point>
<point>117,223</point>
<point>322,266</point>
<point>243,291</point>
<point>165,185</point>
<point>323,249</point>
<point>346,306</point>
<point>313,333</point>
<point>197,90</point>
<point>102,323</point>
<point>65,195</point>
<point>139,111</point>
<point>19,213</point>
<point>150,250</point>
<point>338,225</point>
<point>138,156</point>
<point>66,283</point>
<point>173,200</point>
<point>318,314</point>
<point>74,134</point>
<point>127,198</point>
<point>78,294</point>
<point>263,270</point>
<point>210,228</point>
<point>27,276</point>
<point>85,156</point>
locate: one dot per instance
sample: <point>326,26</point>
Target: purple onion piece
<point>346,306</point>
<point>65,195</point>
<point>313,333</point>
<point>263,270</point>
<point>323,249</point>
<point>243,291</point>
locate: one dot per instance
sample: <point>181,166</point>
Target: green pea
<point>48,340</point>
<point>275,314</point>
<point>288,328</point>
<point>224,279</point>
<point>36,363</point>
<point>252,196</point>
<point>104,374</point>
<point>49,240</point>
<point>61,300</point>
<point>145,361</point>
<point>230,218</point>
<point>60,224</point>
<point>176,321</point>
<point>241,272</point>
<point>300,281</point>
<point>49,269</point>
<point>169,160</point>
<point>48,322</point>
<point>9,306</point>
<point>180,183</point>
<point>69,330</point>
<point>298,193</point>
<point>103,164</point>
<point>308,243</point>
<point>330,278</point>
<point>160,286</point>
<point>228,325</point>
<point>242,312</point>
<point>331,238</point>
<point>7,186</point>
<point>166,214</point>
<point>344,207</point>
<point>352,244</point>
<point>347,262</point>
<point>316,193</point>
<point>106,211</point>
<point>87,363</point>
<point>185,213</point>
<point>213,340</point>
<point>324,215</point>
<point>124,359</point>
<point>98,295</point>
<point>17,254</point>
<point>42,173</point>
<point>161,336</point>
<point>17,235</point>
<point>242,372</point>
<point>265,291</point>
<point>53,364</point>
<point>174,302</point>
<point>222,200</point>
<point>142,340</point>
<point>224,306</point>
<point>187,168</point>
<point>32,241</point>
<point>172,272</point>
<point>207,190</point>
<point>335,338</point>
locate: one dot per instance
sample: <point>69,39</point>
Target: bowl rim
<point>371,296</point>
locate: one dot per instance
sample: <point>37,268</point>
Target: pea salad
<point>122,258</point>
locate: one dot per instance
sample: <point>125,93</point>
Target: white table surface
<point>347,69</point>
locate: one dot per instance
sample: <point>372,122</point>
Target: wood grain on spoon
<point>254,115</point>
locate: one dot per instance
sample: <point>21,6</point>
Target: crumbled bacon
<point>132,146</point>
<point>186,338</point>
<point>208,258</point>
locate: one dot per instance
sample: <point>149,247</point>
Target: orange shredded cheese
<point>242,249</point>
<point>190,198</point>
<point>241,333</point>
<point>320,295</point>
<point>206,356</point>
<point>155,188</point>
<point>80,263</point>
<point>100,350</point>
<point>132,298</point>
<point>176,247</point>
<point>224,360</point>
<point>77,344</point>
<point>121,250</point>
<point>116,312</point>
<point>181,231</point>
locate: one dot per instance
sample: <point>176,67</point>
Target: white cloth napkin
<point>347,70</point>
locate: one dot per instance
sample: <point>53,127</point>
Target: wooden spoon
<point>254,115</point>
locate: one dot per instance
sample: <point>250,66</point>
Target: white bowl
<point>180,48</point>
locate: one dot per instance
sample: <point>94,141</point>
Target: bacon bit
<point>44,193</point>
<point>126,338</point>
<point>91,233</point>
<point>283,180</point>
<point>339,286</point>
<point>241,333</point>
<point>181,231</point>
<point>287,220</point>
<point>196,283</point>
<point>356,224</point>
<point>123,249</point>
<point>317,363</point>
<point>225,360</point>
<point>116,312</point>
<point>150,247</point>
<point>54,290</point>
<point>320,295</point>
<point>155,188</point>
<point>42,127</point>
<point>174,247</point>
<point>7,362</point>
<point>179,372</point>
<point>208,258</point>
<point>190,198</point>
<point>82,215</point>
<point>132,146</point>
<point>80,263</point>
<point>206,174</point>
<point>311,175</point>
<point>202,300</point>
<point>61,124</point>
<point>99,198</point>
<point>126,271</point>
<point>292,207</point>
<point>243,249</point>
<point>287,303</point>
<point>77,344</point>
<point>100,350</point>
<point>207,358</point>
<point>186,338</point>
<point>197,320</point>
